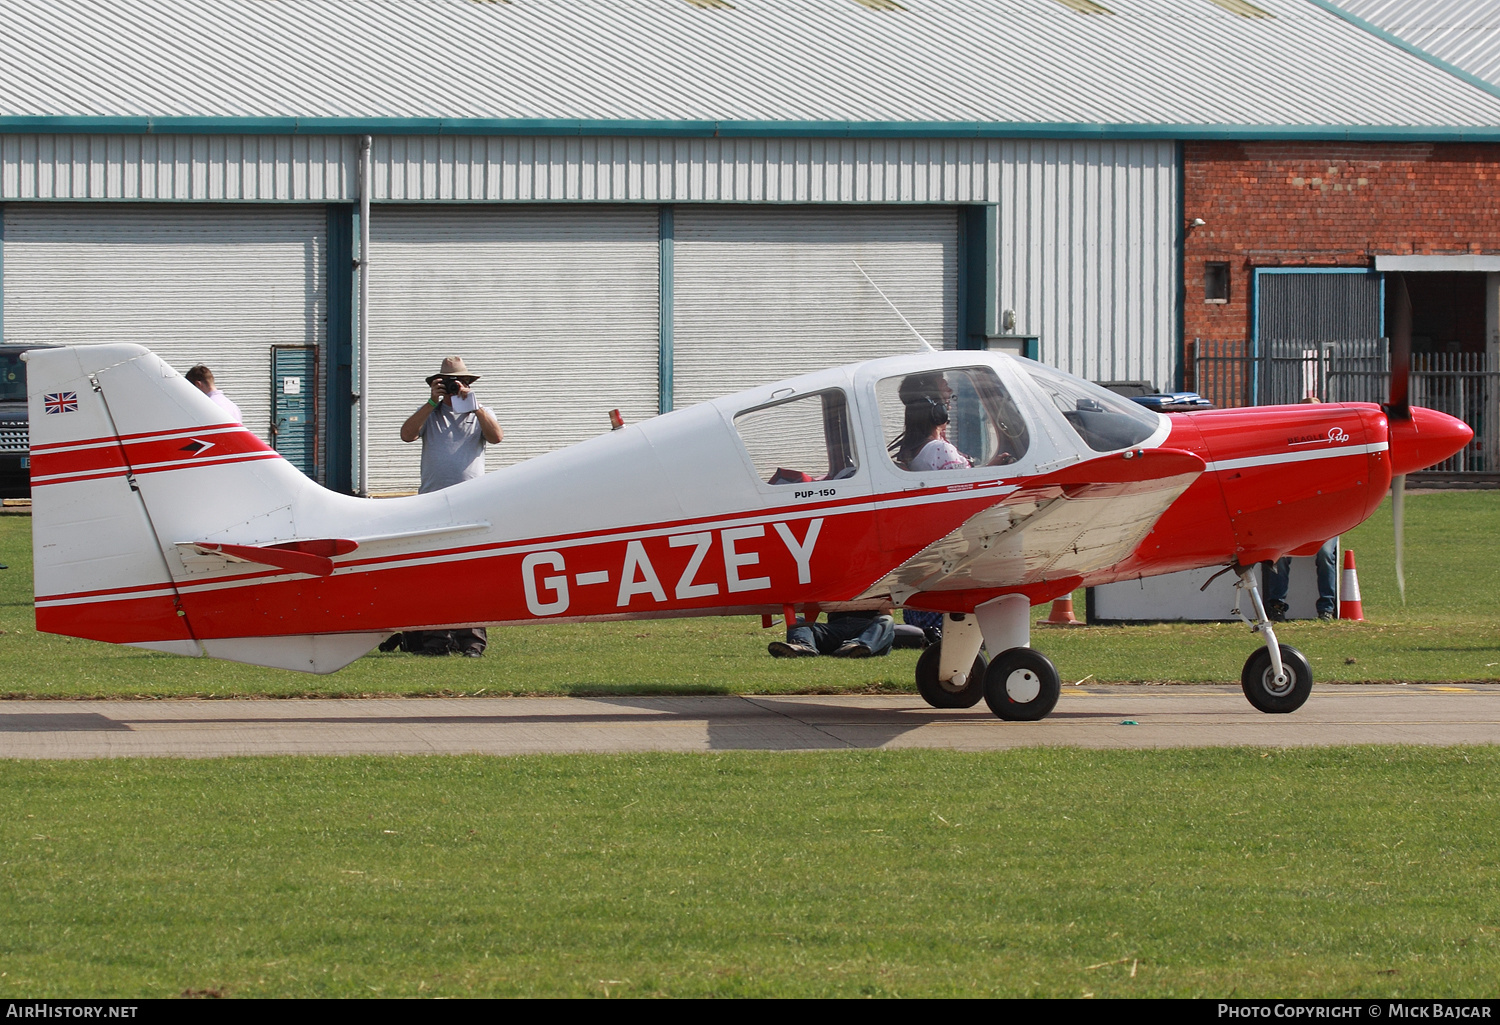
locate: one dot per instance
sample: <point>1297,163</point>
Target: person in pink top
<point>202,378</point>
<point>924,439</point>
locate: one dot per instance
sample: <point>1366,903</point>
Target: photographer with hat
<point>454,429</point>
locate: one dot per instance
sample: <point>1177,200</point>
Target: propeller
<point>1399,409</point>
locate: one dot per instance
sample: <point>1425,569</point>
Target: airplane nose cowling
<point>1428,437</point>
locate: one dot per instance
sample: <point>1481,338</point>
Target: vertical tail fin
<point>92,535</point>
<point>129,462</point>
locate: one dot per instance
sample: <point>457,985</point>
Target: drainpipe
<point>365,177</point>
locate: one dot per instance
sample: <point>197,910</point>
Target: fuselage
<point>785,495</point>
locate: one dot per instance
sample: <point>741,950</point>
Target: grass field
<point>1350,872</point>
<point>1449,630</point>
<point>1044,873</point>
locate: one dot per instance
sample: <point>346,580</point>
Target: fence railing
<point>1462,384</point>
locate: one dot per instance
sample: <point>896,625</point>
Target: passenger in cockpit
<point>930,400</point>
<point>924,441</point>
<point>931,385</point>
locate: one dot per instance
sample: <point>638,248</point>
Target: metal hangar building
<point>639,204</point>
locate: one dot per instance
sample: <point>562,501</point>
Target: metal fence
<point>1462,384</point>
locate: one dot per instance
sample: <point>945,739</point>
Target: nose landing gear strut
<point>1277,677</point>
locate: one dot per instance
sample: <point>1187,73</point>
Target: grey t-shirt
<point>452,449</point>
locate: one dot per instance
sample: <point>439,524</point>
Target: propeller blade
<point>1399,408</point>
<point>1398,518</point>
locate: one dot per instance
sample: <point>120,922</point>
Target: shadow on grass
<point>1461,647</point>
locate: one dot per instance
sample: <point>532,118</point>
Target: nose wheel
<point>1270,691</point>
<point>1277,678</point>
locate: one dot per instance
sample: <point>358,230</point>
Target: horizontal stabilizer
<point>314,557</point>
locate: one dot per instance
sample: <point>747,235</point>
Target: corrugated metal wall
<point>762,294</point>
<point>189,168</point>
<point>1317,307</point>
<point>465,169</point>
<point>204,284</point>
<point>1084,244</point>
<point>1087,253</point>
<point>555,308</point>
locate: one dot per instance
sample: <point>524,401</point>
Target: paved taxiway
<point>1195,716</point>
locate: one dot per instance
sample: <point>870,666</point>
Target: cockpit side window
<point>804,439</point>
<point>950,420</point>
<point>1105,421</point>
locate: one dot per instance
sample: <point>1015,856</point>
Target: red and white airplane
<point>159,525</point>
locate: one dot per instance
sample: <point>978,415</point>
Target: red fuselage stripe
<point>145,453</point>
<point>791,512</point>
<point>175,433</point>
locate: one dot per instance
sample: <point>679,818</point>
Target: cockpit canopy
<point>943,418</point>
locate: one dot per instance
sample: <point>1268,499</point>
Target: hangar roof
<point>1149,68</point>
<point>1464,33</point>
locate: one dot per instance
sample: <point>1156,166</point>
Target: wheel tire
<point>940,693</point>
<point>1021,685</point>
<point>1259,684</point>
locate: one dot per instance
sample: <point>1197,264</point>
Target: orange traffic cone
<point>1061,614</point>
<point>1349,604</point>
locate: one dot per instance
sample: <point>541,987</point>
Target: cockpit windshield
<point>1105,421</point>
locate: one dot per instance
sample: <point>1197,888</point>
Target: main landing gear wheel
<point>942,693</point>
<point>1021,685</point>
<point>1265,691</point>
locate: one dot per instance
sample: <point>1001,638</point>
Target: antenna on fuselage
<point>892,305</point>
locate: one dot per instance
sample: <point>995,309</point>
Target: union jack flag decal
<point>62,402</point>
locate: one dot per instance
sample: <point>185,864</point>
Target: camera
<point>450,385</point>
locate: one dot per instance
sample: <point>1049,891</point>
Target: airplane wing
<point>1074,521</point>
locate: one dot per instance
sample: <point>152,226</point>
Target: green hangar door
<point>294,371</point>
<point>765,293</point>
<point>195,283</point>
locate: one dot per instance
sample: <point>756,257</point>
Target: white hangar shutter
<point>555,307</point>
<point>218,285</point>
<point>763,293</point>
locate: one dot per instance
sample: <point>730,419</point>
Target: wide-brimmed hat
<point>453,366</point>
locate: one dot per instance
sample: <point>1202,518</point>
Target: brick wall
<point>1327,205</point>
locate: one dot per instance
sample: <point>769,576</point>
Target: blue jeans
<point>874,632</point>
<point>1326,562</point>
<point>1278,576</point>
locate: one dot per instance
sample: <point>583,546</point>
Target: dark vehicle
<point>15,448</point>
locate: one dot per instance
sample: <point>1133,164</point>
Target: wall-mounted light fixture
<point>1196,222</point>
<point>1008,322</point>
